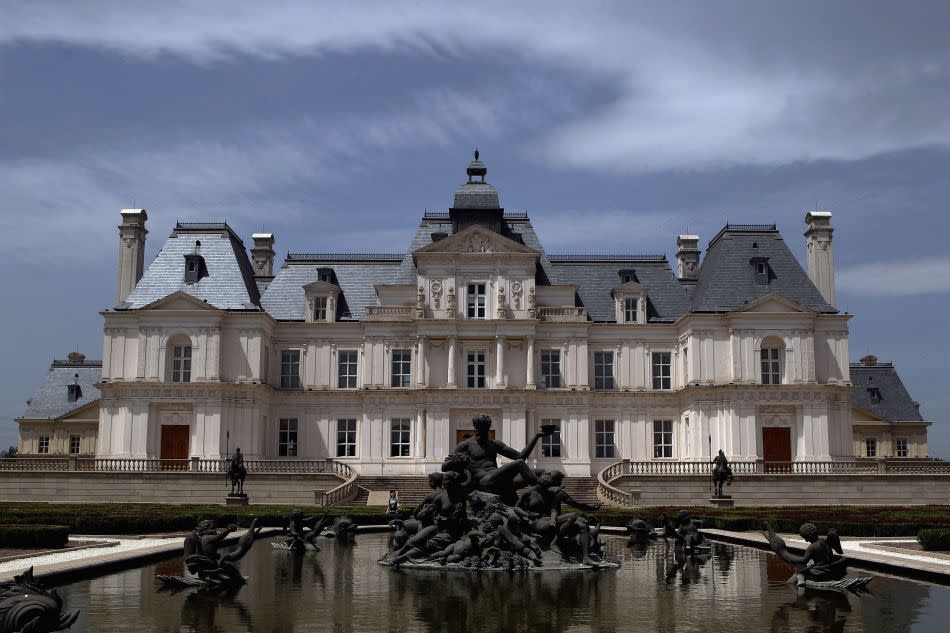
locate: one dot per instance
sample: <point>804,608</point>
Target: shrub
<point>34,536</point>
<point>934,538</point>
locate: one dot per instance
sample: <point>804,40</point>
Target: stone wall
<point>159,487</point>
<point>792,490</point>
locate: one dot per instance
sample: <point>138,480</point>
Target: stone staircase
<point>413,488</point>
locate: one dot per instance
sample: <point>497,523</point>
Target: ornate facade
<point>381,360</point>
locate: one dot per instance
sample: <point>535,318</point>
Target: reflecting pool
<point>341,588</point>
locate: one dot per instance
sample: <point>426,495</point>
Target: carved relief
<point>516,289</point>
<point>501,302</point>
<point>421,302</point>
<point>532,310</point>
<point>477,244</point>
<point>436,294</point>
<point>451,303</point>
<point>128,241</point>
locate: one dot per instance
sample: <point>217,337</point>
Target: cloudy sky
<point>616,127</point>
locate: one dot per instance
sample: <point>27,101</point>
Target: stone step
<point>413,488</point>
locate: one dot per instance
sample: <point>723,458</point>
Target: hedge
<point>934,538</point>
<point>156,518</point>
<point>33,536</point>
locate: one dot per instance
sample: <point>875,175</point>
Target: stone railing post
<point>319,497</point>
<point>760,466</point>
<point>71,462</point>
<point>194,464</point>
<point>881,465</point>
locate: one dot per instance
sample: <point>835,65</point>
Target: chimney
<point>75,358</point>
<point>687,257</point>
<point>263,254</point>
<point>131,252</point>
<point>821,258</point>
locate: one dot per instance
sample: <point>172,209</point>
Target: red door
<point>777,449</point>
<point>174,446</point>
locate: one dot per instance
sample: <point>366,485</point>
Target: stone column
<point>450,383</point>
<point>530,364</point>
<point>421,363</point>
<point>420,437</point>
<point>499,361</point>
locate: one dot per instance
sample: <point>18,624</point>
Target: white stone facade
<point>715,398</point>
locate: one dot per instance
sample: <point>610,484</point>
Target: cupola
<point>476,201</point>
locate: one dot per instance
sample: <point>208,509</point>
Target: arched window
<point>772,357</point>
<point>178,361</point>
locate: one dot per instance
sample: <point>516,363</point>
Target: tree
<point>9,453</point>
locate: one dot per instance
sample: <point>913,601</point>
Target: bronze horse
<point>722,473</point>
<point>237,472</point>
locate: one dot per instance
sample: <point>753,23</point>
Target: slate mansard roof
<point>50,400</point>
<point>894,403</point>
<point>230,283</point>
<point>726,280</point>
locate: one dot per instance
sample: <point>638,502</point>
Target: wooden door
<point>175,445</point>
<point>777,448</point>
<point>463,434</point>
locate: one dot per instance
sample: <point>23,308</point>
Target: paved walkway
<point>869,553</point>
<point>128,553</point>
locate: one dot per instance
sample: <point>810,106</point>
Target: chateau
<point>380,360</point>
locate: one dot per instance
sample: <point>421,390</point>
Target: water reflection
<point>342,589</point>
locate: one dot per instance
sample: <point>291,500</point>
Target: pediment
<point>320,287</point>
<point>629,288</point>
<point>476,240</point>
<point>180,300</point>
<point>84,413</point>
<point>776,304</point>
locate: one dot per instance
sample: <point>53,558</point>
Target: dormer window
<point>195,268</point>
<point>874,394</point>
<point>74,391</point>
<point>630,300</point>
<point>760,269</point>
<point>322,297</point>
<point>320,308</point>
<point>630,309</point>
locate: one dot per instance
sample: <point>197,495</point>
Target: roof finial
<point>476,153</point>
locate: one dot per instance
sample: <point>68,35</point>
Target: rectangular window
<point>604,438</point>
<point>551,444</point>
<point>551,368</point>
<point>630,310</point>
<point>346,369</point>
<point>42,446</point>
<point>74,444</point>
<point>901,446</point>
<point>401,368</point>
<point>870,447</point>
<point>290,369</point>
<point>661,370</point>
<point>662,438</point>
<point>181,363</point>
<point>399,435</point>
<point>771,366</point>
<point>320,309</point>
<point>346,438</point>
<point>475,369</point>
<point>685,365</point>
<point>475,301</point>
<point>603,370</point>
<point>287,438</point>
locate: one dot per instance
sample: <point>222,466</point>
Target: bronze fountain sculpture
<point>26,605</point>
<point>209,570</point>
<point>822,566</point>
<point>475,517</point>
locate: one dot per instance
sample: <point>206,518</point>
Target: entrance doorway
<point>174,447</point>
<point>463,434</point>
<point>777,448</point>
